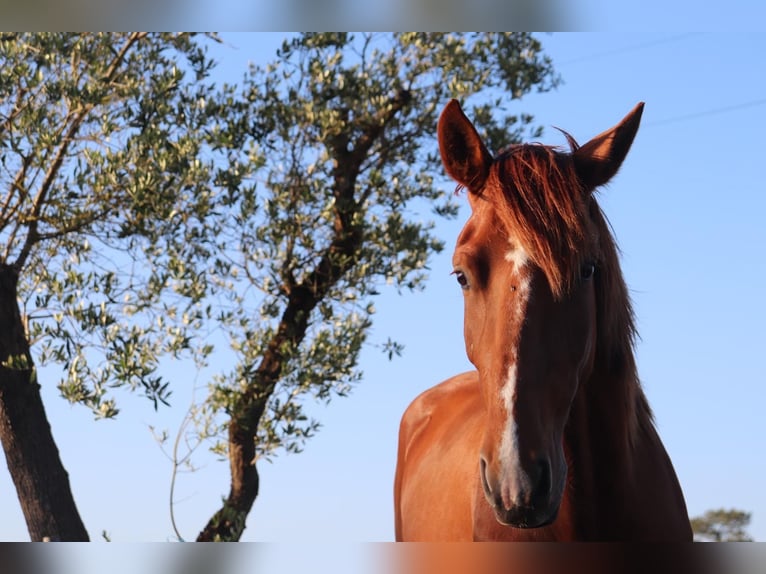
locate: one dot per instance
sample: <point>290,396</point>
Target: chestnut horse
<point>551,438</point>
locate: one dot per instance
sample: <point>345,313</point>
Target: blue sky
<point>687,210</point>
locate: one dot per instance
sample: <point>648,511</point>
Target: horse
<point>551,438</point>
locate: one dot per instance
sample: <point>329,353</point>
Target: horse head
<point>529,261</point>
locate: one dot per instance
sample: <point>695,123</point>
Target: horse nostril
<point>483,473</point>
<point>542,488</point>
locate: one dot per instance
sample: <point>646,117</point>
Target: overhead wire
<point>651,44</point>
<point>710,112</point>
<point>633,48</point>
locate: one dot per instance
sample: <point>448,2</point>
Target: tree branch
<point>229,522</point>
<point>7,214</point>
<point>58,159</point>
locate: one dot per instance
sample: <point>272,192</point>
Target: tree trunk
<point>42,483</point>
<point>228,524</point>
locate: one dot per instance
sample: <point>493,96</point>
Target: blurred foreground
<point>381,558</point>
<point>295,15</point>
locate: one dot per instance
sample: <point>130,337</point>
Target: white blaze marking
<point>509,441</point>
<point>517,256</point>
<point>520,259</point>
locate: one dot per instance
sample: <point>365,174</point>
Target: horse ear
<point>598,160</point>
<point>463,154</point>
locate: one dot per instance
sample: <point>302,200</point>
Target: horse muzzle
<point>525,499</point>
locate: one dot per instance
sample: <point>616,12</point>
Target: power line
<point>650,44</point>
<point>711,112</point>
<point>633,48</point>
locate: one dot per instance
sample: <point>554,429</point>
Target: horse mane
<point>539,196</point>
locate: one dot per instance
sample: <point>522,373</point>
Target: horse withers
<point>551,437</point>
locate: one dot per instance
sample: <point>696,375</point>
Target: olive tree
<point>142,206</point>
<point>335,169</point>
<point>103,211</point>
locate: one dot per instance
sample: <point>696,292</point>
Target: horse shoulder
<point>431,404</point>
<point>432,451</point>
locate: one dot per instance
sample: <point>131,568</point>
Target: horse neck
<point>604,430</point>
<point>608,413</point>
<point>611,405</point>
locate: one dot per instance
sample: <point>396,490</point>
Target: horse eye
<point>462,280</point>
<point>587,271</point>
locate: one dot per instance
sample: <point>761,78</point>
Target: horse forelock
<point>541,203</point>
